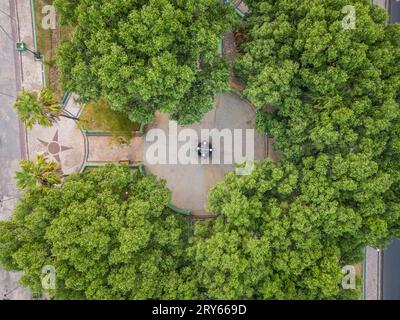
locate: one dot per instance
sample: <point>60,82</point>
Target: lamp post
<point>21,47</point>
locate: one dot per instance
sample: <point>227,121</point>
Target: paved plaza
<point>190,183</point>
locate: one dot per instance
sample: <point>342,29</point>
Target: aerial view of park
<point>199,150</point>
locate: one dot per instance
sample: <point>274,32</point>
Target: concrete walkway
<point>373,274</point>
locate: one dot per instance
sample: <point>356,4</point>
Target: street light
<point>21,47</point>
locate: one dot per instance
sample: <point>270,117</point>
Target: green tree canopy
<point>267,242</point>
<point>145,56</point>
<point>108,233</point>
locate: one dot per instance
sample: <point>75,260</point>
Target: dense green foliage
<point>38,175</point>
<point>268,242</point>
<point>42,109</point>
<point>108,234</point>
<point>145,56</point>
<point>336,89</point>
<point>282,232</point>
<point>337,94</point>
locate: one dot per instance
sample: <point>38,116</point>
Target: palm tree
<point>38,176</point>
<point>43,109</point>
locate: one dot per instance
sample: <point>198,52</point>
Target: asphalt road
<point>395,11</point>
<point>10,133</point>
<point>391,271</point>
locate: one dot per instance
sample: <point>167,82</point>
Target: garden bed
<point>97,118</point>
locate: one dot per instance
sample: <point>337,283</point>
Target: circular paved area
<point>190,183</point>
<point>63,143</point>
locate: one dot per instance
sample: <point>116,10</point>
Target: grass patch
<point>99,116</point>
<point>47,41</point>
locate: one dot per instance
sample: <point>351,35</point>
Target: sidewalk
<point>373,274</point>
